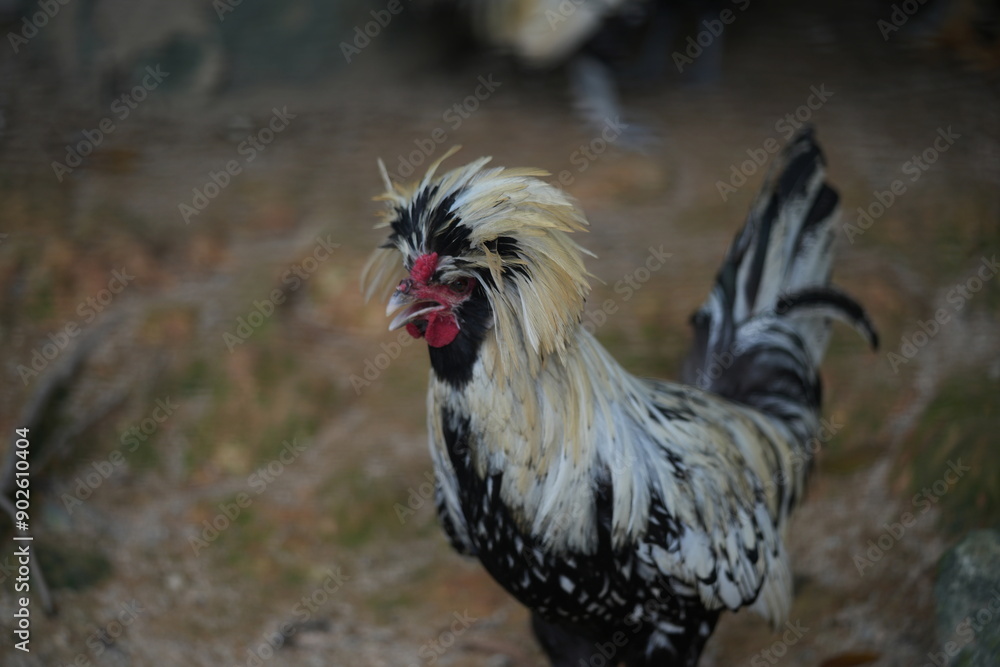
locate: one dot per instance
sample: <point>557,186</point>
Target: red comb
<point>424,267</point>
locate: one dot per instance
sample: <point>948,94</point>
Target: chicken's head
<point>430,301</point>
<point>481,255</point>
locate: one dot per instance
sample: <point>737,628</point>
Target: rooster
<point>625,513</point>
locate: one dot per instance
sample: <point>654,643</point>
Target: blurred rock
<point>105,48</point>
<point>967,595</point>
<point>108,50</point>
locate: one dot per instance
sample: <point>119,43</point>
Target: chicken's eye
<point>461,286</point>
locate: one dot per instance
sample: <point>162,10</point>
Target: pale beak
<point>416,309</point>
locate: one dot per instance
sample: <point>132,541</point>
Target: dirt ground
<point>231,449</point>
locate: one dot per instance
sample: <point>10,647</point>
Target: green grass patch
<point>73,567</point>
<point>364,509</point>
<point>959,427</point>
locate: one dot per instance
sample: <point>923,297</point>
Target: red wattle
<point>414,330</point>
<point>441,329</point>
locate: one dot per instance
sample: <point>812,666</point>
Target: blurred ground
<point>230,444</point>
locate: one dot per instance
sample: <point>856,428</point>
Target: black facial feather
<point>447,239</point>
<point>439,230</point>
<point>454,363</point>
<point>407,222</point>
<point>508,249</point>
<point>434,229</point>
<point>505,246</point>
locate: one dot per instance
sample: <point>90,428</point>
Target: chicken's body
<point>623,512</point>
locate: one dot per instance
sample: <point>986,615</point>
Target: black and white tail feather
<point>761,335</point>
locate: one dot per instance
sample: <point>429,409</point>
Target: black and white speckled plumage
<point>598,594</point>
<point>604,502</point>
